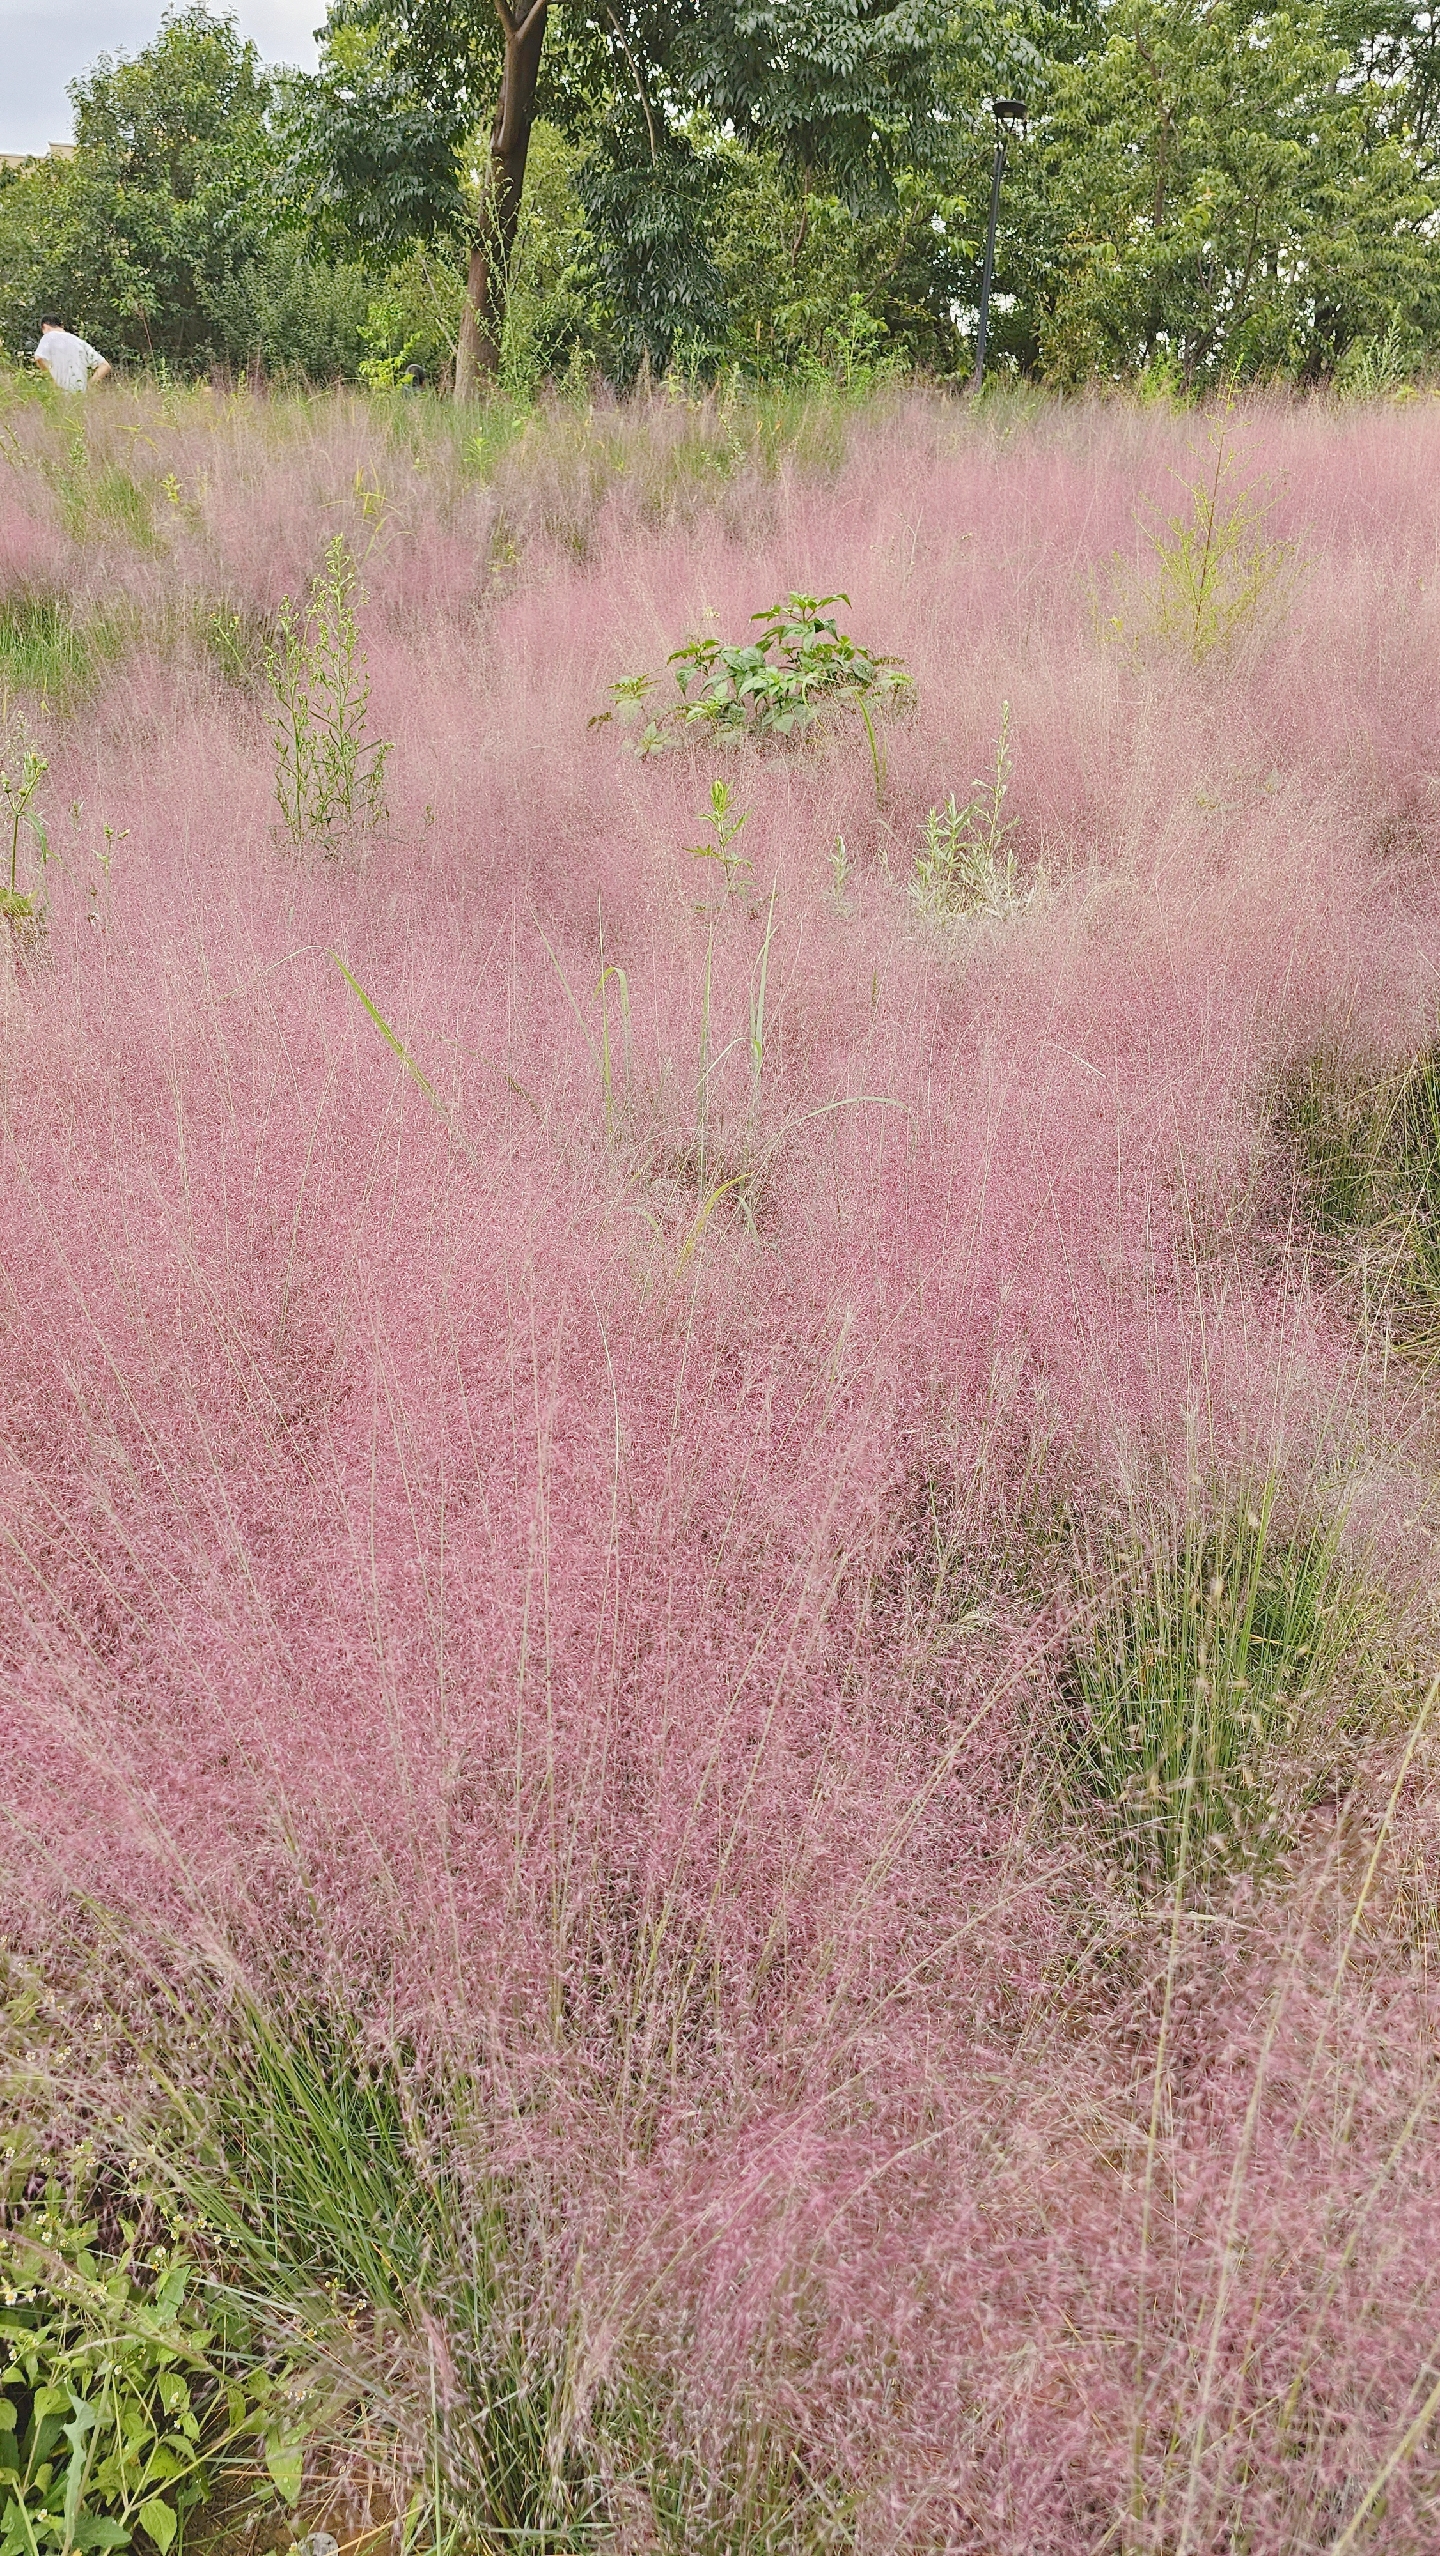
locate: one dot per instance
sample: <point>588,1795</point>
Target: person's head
<point>50,323</point>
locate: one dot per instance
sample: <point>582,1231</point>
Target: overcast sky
<point>41,48</point>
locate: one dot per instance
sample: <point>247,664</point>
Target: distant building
<point>26,159</point>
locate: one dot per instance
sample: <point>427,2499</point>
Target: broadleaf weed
<point>127,2376</point>
<point>798,671</point>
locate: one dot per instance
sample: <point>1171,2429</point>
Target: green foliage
<point>801,670</point>
<point>120,2381</point>
<point>1192,1708</point>
<point>798,189</point>
<point>1380,366</point>
<point>651,269</point>
<point>45,650</point>
<point>328,773</point>
<point>130,240</point>
<point>1215,570</point>
<point>376,141</point>
<point>967,864</point>
<point>551,314</point>
<point>821,287</point>
<point>295,316</point>
<point>1361,1151</point>
<point>158,240</point>
<point>414,318</point>
<point>552,323</point>
<point>844,93</point>
<point>1222,187</point>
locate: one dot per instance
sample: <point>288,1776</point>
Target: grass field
<point>717,1477</point>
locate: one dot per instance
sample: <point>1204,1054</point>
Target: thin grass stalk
<point>1152,2138</point>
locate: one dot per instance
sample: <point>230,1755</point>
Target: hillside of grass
<point>720,1136</point>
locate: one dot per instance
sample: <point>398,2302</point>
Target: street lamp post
<point>1008,112</point>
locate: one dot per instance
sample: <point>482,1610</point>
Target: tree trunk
<point>487,277</point>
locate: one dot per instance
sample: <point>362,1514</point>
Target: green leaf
<point>92,2532</point>
<point>171,2293</point>
<point>286,2462</point>
<point>7,2415</point>
<point>156,2516</point>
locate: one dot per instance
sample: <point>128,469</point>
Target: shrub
<point>1215,571</point>
<point>799,671</point>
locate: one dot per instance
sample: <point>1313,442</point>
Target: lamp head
<point>1008,112</point>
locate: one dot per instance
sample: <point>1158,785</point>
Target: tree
<point>381,142</point>
<point>841,98</point>
<point>162,193</point>
<point>1211,184</point>
<point>156,238</point>
<point>843,91</point>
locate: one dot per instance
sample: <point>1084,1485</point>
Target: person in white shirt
<point>69,361</point>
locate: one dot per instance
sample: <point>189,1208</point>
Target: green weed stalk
<point>328,773</point>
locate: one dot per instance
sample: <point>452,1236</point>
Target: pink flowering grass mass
<point>717,1612</point>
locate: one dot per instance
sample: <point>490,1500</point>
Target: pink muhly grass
<point>596,1613</point>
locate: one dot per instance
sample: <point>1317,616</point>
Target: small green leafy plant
<point>724,826</point>
<point>116,2386</point>
<point>328,774</point>
<point>1210,1656</point>
<point>966,864</point>
<point>799,671</point>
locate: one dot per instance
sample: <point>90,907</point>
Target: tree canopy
<point>509,186</point>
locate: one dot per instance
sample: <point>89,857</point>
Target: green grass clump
<point>47,650</point>
<point>1191,1705</point>
<point>345,2193</point>
<point>100,501</point>
<point>1361,1148</point>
